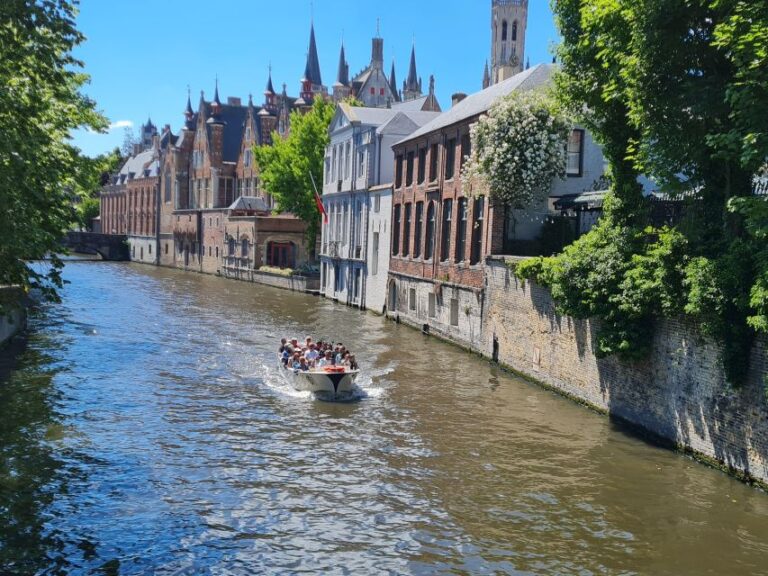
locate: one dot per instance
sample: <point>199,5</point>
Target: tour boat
<point>332,380</point>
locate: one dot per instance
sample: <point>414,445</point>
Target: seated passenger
<point>296,361</point>
<point>303,365</point>
<point>340,354</point>
<point>326,360</point>
<point>312,354</point>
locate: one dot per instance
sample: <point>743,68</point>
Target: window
<point>466,148</point>
<point>231,246</point>
<point>514,31</point>
<point>432,305</point>
<point>167,187</point>
<point>375,255</point>
<point>477,229</point>
<point>166,248</point>
<point>247,158</point>
<point>407,231</point>
<point>361,164</point>
<point>450,158</point>
<point>373,91</point>
<point>461,230</point>
<point>217,251</point>
<point>150,249</point>
<point>396,232</point>
<point>454,311</point>
<point>248,133</point>
<point>398,171</point>
<point>445,236</point>
<point>412,299</point>
<point>409,169</point>
<point>244,248</point>
<point>209,251</point>
<point>504,31</point>
<point>433,163</point>
<point>422,165</point>
<point>377,203</point>
<point>575,153</point>
<point>417,231</point>
<point>381,91</point>
<point>429,249</point>
<point>347,163</point>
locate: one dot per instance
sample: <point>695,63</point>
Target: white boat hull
<point>320,381</point>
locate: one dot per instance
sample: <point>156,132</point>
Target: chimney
<point>136,149</point>
<point>457,97</point>
<point>233,101</point>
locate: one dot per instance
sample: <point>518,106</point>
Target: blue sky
<point>142,54</point>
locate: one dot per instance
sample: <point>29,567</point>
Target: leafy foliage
<point>518,148</point>
<point>675,90</point>
<point>286,165</point>
<point>40,104</point>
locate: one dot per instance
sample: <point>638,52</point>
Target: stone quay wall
<point>16,319</point>
<point>679,394</point>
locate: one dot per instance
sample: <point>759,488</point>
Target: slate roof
<point>411,105</point>
<point>250,203</point>
<point>142,165</point>
<point>233,118</point>
<point>480,102</point>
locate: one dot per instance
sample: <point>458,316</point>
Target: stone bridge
<point>109,246</point>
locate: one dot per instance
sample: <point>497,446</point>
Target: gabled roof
<point>480,102</point>
<point>233,119</point>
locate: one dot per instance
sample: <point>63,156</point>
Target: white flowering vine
<point>518,148</point>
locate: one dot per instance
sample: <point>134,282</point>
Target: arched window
<point>231,246</point>
<point>244,248</point>
<point>514,31</point>
<point>504,31</point>
<point>429,249</point>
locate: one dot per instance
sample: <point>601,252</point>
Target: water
<point>144,430</point>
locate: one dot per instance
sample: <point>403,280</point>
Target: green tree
<point>285,165</point>
<point>592,86</point>
<point>40,105</point>
<point>674,89</point>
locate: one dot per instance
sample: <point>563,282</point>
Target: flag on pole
<point>319,200</point>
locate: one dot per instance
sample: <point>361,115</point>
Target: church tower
<point>509,20</point>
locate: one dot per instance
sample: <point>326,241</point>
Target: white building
<point>357,195</point>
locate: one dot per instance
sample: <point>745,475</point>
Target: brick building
<point>176,199</point>
<point>442,234</point>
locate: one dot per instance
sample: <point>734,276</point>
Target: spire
<point>412,83</point>
<point>343,74</point>
<point>216,104</point>
<point>486,76</point>
<point>393,81</point>
<point>312,69</point>
<point>270,88</point>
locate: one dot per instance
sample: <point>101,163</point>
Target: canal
<point>144,430</point>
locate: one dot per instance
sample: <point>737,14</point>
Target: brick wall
<point>679,393</point>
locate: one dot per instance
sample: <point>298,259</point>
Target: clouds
<point>120,124</point>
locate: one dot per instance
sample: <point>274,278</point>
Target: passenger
<point>311,355</point>
<point>303,365</point>
<point>283,343</point>
<point>308,341</point>
<point>296,362</point>
<point>353,365</point>
<point>345,361</point>
<point>340,354</point>
<point>285,357</point>
<point>326,360</point>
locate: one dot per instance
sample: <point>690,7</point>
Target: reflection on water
<point>145,430</point>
